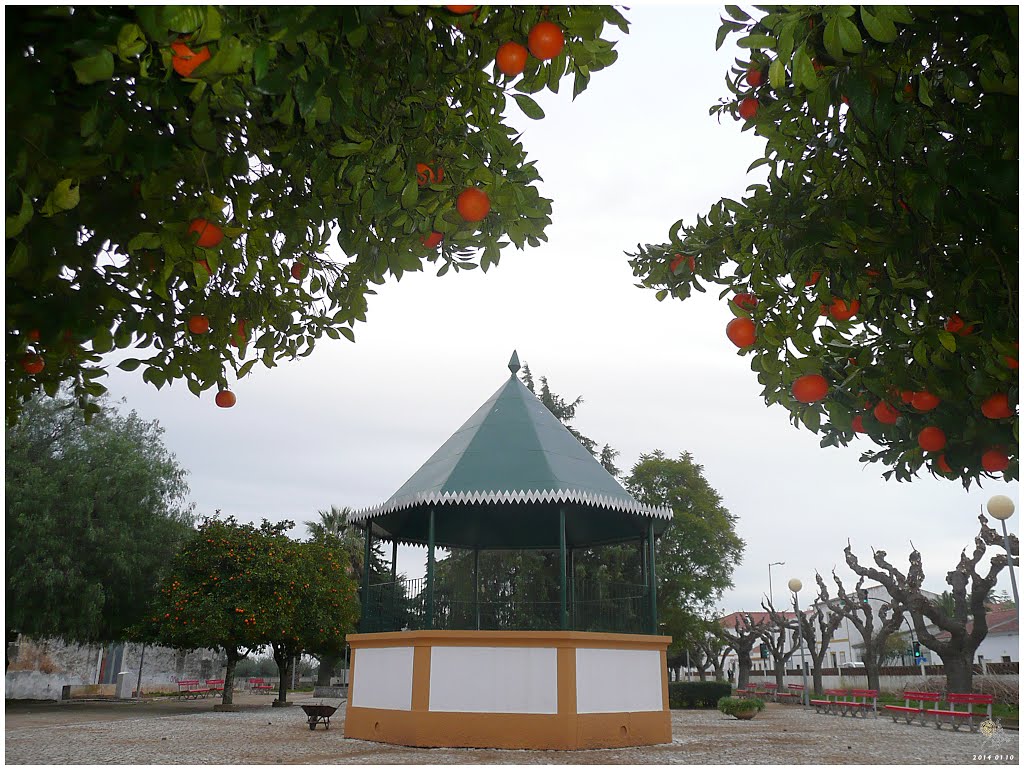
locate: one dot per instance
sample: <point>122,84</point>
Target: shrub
<point>734,706</point>
<point>697,695</point>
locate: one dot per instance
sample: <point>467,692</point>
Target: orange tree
<point>220,591</point>
<point>876,269</point>
<point>176,175</point>
<point>315,604</point>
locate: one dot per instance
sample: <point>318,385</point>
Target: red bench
<point>831,703</point>
<point>968,700</point>
<point>770,690</point>
<point>256,684</point>
<point>189,688</point>
<point>908,712</point>
<point>215,685</point>
<point>795,693</point>
<point>864,701</point>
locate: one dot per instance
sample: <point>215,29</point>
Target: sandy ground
<point>169,731</point>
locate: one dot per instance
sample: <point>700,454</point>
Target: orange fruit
<point>815,277</point>
<point>298,270</point>
<point>458,10</point>
<point>942,464</point>
<point>995,460</point>
<point>885,413</point>
<point>199,324</point>
<point>511,58</point>
<point>996,407</point>
<point>473,204</point>
<point>185,60</point>
<point>32,335</point>
<point>746,300</point>
<point>432,241</point>
<point>810,388</point>
<point>546,40</point>
<point>741,332</point>
<point>754,77</point>
<point>748,108</point>
<point>955,325</point>
<point>238,337</point>
<point>690,260</point>
<point>32,364</point>
<point>906,396</point>
<point>925,401</point>
<point>428,174</point>
<point>858,424</point>
<point>931,439</point>
<point>209,234</point>
<point>840,311</point>
<point>225,399</point>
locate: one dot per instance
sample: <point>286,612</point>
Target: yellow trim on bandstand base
<point>566,729</point>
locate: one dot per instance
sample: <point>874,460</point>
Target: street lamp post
<point>795,586</point>
<point>770,565</point>
<point>1001,507</point>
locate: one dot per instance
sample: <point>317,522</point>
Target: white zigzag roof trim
<point>530,496</point>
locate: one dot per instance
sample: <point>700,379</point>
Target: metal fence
<point>590,605</point>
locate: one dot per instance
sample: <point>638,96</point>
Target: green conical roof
<point>512,454</point>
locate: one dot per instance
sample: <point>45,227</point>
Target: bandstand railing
<point>594,606</point>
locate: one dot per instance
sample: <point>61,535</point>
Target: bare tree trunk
<point>959,673</point>
<point>780,675</point>
<point>328,665</point>
<point>283,660</point>
<point>745,665</point>
<point>229,676</point>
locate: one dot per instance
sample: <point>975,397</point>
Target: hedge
<point>693,695</point>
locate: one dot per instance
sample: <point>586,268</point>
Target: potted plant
<point>741,708</point>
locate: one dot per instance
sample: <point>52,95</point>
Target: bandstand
<point>442,663</point>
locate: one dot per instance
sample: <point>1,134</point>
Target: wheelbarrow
<point>319,712</point>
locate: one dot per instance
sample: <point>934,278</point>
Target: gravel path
<point>187,733</point>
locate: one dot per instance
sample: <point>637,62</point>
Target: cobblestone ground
<point>171,732</point>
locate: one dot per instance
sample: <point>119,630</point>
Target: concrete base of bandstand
<point>509,689</point>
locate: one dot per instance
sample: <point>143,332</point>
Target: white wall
<point>383,678</point>
<point>502,680</point>
<point>609,681</point>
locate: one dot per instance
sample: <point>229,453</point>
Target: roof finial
<point>513,363</point>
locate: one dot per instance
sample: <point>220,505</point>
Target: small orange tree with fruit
<point>238,588</point>
<point>876,269</point>
<point>222,186</point>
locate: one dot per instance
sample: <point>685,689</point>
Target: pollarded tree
<point>93,515</point>
<point>874,276</point>
<point>954,636</point>
<point>818,625</point>
<point>745,633</point>
<point>783,633</point>
<point>857,608</point>
<point>176,174</point>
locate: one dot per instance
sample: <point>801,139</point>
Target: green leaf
<point>16,224</point>
<point>130,41</point>
<point>212,25</point>
<point>345,149</point>
<point>64,197</point>
<point>130,364</point>
<point>529,107</point>
<point>757,41</point>
<point>948,341</point>
<point>923,93</point>
<point>410,194</point>
<point>849,34</point>
<point>103,341</point>
<point>183,18</point>
<point>93,69</point>
<point>803,70</point>
<point>833,40</point>
<point>921,353</point>
<point>777,73</point>
<point>879,27</point>
<point>737,13</point>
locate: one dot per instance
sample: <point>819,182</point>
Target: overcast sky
<point>636,152</point>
